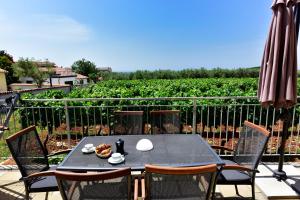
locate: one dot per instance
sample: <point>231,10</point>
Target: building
<point>59,76</point>
<point>3,85</point>
<point>81,79</point>
<point>67,76</point>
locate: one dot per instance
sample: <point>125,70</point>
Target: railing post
<point>194,115</point>
<point>68,124</point>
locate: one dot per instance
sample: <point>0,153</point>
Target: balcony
<point>217,119</point>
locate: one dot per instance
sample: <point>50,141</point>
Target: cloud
<point>39,27</point>
<point>59,38</point>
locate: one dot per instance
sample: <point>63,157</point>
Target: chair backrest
<point>105,185</point>
<point>165,121</point>
<point>128,123</point>
<point>180,182</point>
<point>28,151</point>
<point>251,145</point>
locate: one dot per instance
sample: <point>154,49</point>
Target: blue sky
<point>130,35</point>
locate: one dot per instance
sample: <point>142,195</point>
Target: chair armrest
<point>221,148</point>
<point>39,174</point>
<point>143,189</point>
<point>136,189</point>
<point>59,152</point>
<point>238,167</point>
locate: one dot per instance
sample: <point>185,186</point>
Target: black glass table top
<point>168,150</point>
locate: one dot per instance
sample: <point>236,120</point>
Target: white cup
<point>88,146</point>
<point>116,157</point>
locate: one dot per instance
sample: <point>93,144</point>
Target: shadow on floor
<point>9,196</point>
<point>7,193</point>
<point>296,185</point>
<point>219,196</point>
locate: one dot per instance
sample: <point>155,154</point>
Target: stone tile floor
<point>12,189</point>
<point>266,186</point>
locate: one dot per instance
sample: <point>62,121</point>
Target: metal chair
<point>93,185</point>
<point>128,123</point>
<point>7,107</point>
<point>178,182</point>
<point>247,154</point>
<point>165,121</point>
<point>31,156</point>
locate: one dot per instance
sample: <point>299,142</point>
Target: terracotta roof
<point>64,71</point>
<point>79,76</point>
<point>44,69</point>
<point>3,71</point>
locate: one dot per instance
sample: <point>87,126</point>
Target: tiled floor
<point>266,186</point>
<point>12,189</point>
<point>274,189</point>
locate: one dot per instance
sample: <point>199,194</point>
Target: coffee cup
<point>88,146</point>
<point>116,157</point>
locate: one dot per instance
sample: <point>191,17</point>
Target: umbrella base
<point>280,175</point>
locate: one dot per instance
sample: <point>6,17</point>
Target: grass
<point>14,126</point>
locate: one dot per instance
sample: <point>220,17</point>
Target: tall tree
<point>6,62</point>
<point>28,68</point>
<point>86,68</point>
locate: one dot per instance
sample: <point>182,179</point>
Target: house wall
<point>84,81</point>
<point>3,86</point>
<point>61,81</point>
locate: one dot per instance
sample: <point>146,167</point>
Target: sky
<point>129,35</point>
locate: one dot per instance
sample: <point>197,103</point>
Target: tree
<point>28,68</point>
<point>6,62</point>
<point>86,68</point>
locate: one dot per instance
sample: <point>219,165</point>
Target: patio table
<point>168,150</point>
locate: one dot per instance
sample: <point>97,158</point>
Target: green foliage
<point>182,74</point>
<point>209,87</point>
<point>137,88</point>
<point>86,68</point>
<point>6,62</point>
<point>55,160</point>
<point>28,68</point>
<point>168,88</point>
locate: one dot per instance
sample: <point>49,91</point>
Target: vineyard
<point>209,87</point>
<point>216,118</point>
<point>145,89</point>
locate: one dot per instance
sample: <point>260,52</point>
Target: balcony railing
<point>217,119</point>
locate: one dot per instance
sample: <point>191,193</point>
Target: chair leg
<point>253,191</point>
<point>27,194</point>
<point>213,193</point>
<point>47,195</point>
<point>236,190</point>
<point>27,197</point>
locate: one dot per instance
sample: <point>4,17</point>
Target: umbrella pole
<point>286,118</point>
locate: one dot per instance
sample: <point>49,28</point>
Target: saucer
<point>91,150</point>
<point>111,161</point>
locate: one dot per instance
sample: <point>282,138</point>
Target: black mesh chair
<point>128,122</point>
<point>165,121</point>
<point>31,156</point>
<point>93,185</point>
<point>247,154</point>
<point>178,182</point>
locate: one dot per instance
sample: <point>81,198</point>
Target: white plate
<point>84,150</point>
<point>111,161</point>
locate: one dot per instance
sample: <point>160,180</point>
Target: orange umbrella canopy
<point>278,72</point>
